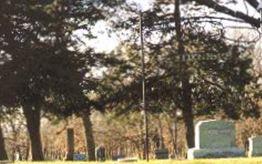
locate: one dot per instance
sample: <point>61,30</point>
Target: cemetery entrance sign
<point>214,139</point>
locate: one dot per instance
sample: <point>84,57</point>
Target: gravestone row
<point>213,139</point>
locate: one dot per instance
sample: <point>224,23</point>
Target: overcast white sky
<point>106,43</point>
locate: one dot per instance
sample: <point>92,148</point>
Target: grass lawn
<point>204,161</point>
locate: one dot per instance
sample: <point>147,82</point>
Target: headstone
<point>100,153</point>
<point>127,160</point>
<point>161,153</point>
<point>80,157</point>
<point>215,139</point>
<point>116,157</point>
<point>255,146</point>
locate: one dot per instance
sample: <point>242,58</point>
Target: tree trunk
<point>32,117</point>
<point>27,155</point>
<point>70,145</point>
<point>160,132</point>
<point>172,136</point>
<point>90,143</point>
<point>3,154</point>
<point>185,76</point>
<point>188,114</point>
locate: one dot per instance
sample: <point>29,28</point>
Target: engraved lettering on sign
<point>221,132</point>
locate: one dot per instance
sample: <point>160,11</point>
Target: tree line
<point>44,72</point>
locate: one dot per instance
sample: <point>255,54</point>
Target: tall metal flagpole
<point>143,88</point>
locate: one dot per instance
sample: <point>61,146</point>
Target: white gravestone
<point>214,139</point>
<point>255,146</point>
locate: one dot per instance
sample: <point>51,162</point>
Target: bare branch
<point>237,14</point>
<point>253,3</point>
